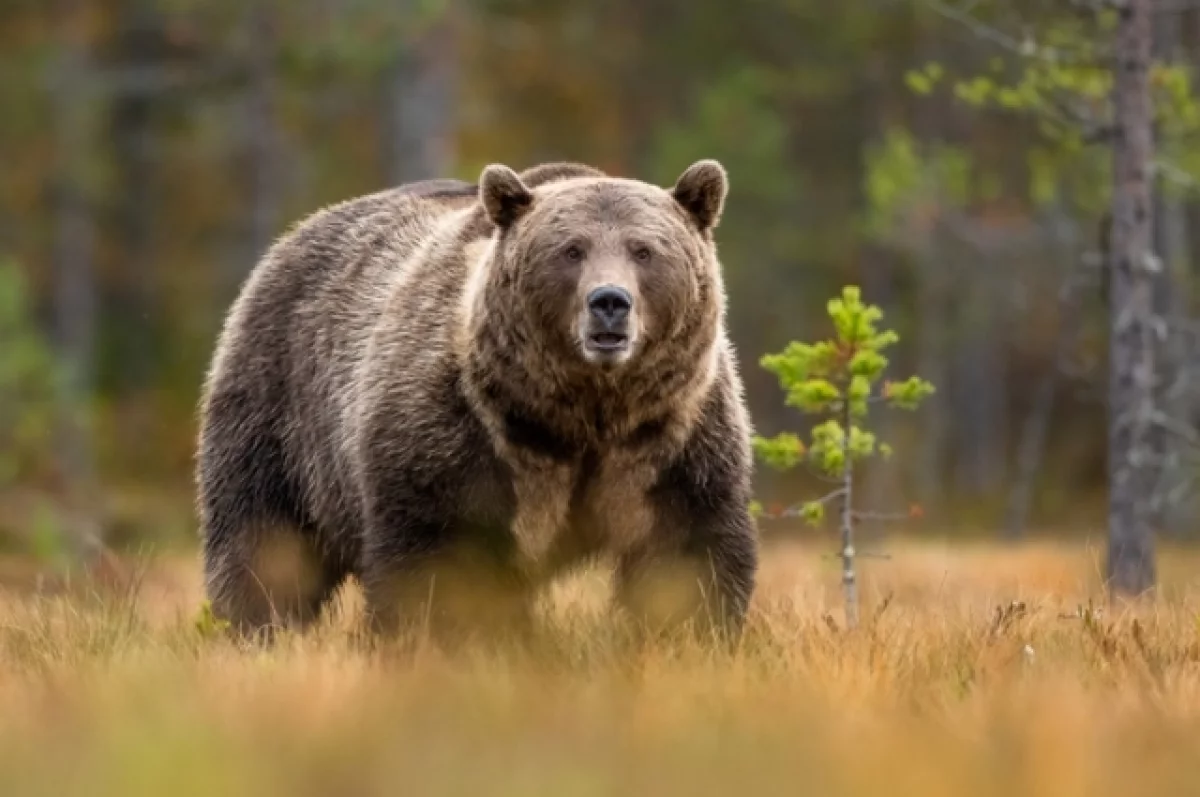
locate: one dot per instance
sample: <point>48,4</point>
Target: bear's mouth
<point>608,342</point>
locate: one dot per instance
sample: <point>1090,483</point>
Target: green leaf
<point>918,82</point>
<point>813,512</point>
<point>922,81</point>
<point>909,393</point>
<point>782,452</point>
<point>1043,177</point>
<point>862,443</point>
<point>207,624</point>
<point>975,92</point>
<point>867,363</point>
<point>813,395</point>
<point>826,449</point>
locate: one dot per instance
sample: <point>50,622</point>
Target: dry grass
<point>947,690</point>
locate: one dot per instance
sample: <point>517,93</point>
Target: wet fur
<point>380,404</point>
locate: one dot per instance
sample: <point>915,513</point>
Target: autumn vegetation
<point>974,670</point>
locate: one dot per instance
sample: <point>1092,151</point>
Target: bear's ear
<point>701,190</point>
<point>503,194</point>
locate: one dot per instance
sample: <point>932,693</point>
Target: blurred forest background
<point>150,150</point>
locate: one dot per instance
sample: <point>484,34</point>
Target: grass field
<point>948,688</point>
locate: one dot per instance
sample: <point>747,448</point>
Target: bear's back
<point>303,321</point>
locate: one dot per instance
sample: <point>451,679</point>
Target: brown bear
<point>456,392</point>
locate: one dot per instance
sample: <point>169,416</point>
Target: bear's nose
<point>610,304</point>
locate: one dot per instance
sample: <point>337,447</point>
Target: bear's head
<point>601,276</point>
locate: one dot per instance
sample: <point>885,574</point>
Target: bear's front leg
<point>437,548</point>
<point>442,581</point>
<point>699,574</point>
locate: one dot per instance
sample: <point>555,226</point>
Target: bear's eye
<point>573,253</point>
<point>642,254</point>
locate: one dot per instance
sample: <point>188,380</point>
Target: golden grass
<point>947,689</point>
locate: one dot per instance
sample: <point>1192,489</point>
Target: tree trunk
<point>1131,398</point>
<point>418,102</point>
<point>133,311</point>
<point>74,277</point>
<point>1031,445</point>
<point>262,136</point>
<point>1190,34</point>
<point>931,365</point>
<point>980,405</point>
<point>849,575</point>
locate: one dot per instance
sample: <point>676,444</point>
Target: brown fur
<point>400,394</point>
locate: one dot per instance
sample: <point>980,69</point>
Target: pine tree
<point>839,379</point>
